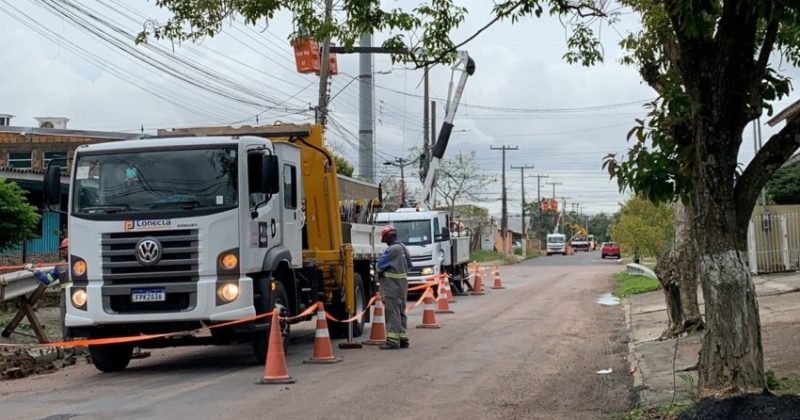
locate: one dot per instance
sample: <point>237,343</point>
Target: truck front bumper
<point>202,304</point>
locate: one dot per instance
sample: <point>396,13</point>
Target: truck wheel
<point>278,300</point>
<point>339,329</point>
<point>111,357</point>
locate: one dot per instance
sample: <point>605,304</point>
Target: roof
<point>159,142</point>
<point>788,113</point>
<point>65,132</point>
<point>21,174</point>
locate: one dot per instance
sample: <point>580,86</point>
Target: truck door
<point>292,218</point>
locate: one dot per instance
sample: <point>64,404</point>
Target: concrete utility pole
<point>402,163</point>
<point>427,140</point>
<point>322,107</point>
<point>524,231</point>
<point>504,221</point>
<point>554,188</point>
<point>366,134</point>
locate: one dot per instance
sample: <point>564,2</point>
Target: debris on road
<point>604,371</point>
<point>608,299</point>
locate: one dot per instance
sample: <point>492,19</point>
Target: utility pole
<point>427,140</point>
<point>401,163</point>
<point>504,221</point>
<point>322,107</point>
<point>554,188</point>
<point>524,231</point>
<point>366,134</point>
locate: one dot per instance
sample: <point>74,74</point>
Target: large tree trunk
<point>731,355</point>
<point>677,271</point>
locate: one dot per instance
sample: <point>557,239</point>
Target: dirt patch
<point>20,363</point>
<point>747,407</point>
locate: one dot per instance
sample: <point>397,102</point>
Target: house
<point>25,153</point>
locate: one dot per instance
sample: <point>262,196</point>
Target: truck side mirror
<point>52,187</point>
<point>262,174</point>
<point>270,165</point>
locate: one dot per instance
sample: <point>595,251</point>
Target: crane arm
<point>466,66</point>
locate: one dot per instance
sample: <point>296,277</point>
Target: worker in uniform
<point>393,268</point>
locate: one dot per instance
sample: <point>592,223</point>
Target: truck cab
<point>556,244</point>
<point>433,248</point>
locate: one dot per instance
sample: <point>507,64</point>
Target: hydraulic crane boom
<point>466,66</point>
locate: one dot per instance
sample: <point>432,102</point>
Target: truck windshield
<point>555,240</point>
<point>413,232</point>
<point>155,180</point>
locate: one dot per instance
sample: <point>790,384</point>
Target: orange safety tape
<point>419,301</point>
<point>422,286</point>
<point>134,338</point>
<point>356,316</point>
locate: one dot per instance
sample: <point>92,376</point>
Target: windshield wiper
<point>185,204</point>
<point>112,208</point>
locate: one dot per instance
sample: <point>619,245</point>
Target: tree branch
<point>771,35</point>
<point>765,163</point>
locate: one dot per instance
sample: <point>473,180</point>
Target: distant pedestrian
<point>393,269</point>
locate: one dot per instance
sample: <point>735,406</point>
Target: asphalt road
<point>530,351</point>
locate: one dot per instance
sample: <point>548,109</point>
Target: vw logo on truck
<point>148,251</point>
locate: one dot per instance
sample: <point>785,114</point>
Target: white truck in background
<point>433,248</point>
<point>556,244</point>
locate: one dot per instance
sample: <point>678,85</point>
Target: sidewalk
<point>652,360</point>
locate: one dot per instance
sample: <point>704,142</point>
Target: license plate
<point>148,295</point>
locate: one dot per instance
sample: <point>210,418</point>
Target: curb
<point>638,379</point>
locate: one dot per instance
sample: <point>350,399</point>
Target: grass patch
<point>484,256</point>
<point>782,385</point>
<point>629,284</point>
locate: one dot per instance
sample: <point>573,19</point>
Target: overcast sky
<point>53,68</point>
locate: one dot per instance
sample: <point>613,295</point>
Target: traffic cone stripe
<point>322,333</point>
<point>378,318</point>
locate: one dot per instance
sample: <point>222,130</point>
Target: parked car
<point>610,249</point>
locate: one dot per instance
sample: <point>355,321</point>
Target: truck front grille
<point>179,257</point>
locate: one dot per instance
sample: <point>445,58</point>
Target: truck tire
<point>278,299</point>
<point>111,357</point>
<point>339,329</point>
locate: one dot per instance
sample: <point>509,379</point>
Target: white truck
<point>172,234</point>
<point>556,244</point>
<point>433,248</point>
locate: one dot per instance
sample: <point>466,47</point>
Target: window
<point>46,124</point>
<point>20,160</point>
<point>59,157</point>
<point>289,187</point>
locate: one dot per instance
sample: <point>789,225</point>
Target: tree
<point>459,178</point>
<point>343,167</point>
<point>17,218</point>
<point>710,64</point>
<point>709,61</point>
<point>784,187</point>
<point>644,226</point>
<point>599,226</point>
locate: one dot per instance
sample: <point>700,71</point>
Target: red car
<point>610,249</point>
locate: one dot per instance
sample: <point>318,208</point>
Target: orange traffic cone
<point>444,306</point>
<point>323,350</point>
<point>447,290</point>
<point>429,314</point>
<point>477,288</point>
<point>498,282</point>
<point>377,332</point>
<point>275,371</point>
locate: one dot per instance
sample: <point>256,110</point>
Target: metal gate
<point>773,242</point>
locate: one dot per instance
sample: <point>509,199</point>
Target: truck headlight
<point>427,271</point>
<point>79,268</point>
<point>79,298</point>
<point>228,292</point>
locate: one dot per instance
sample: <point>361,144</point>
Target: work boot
<point>404,344</point>
<point>389,346</point>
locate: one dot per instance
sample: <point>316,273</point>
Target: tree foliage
<point>644,226</point>
<point>784,188</point>
<point>17,217</point>
<point>459,178</point>
<point>420,34</point>
<point>343,166</point>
